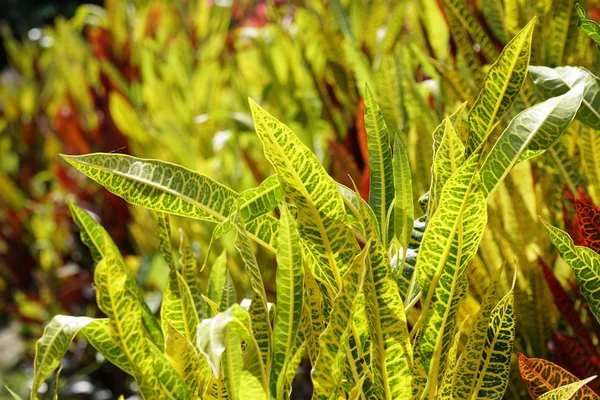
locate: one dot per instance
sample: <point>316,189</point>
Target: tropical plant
<point>378,304</point>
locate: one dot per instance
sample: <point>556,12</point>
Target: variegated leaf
<point>290,300</point>
<point>321,215</point>
<point>168,188</point>
<point>500,87</point>
<point>530,133</point>
<point>327,370</point>
<point>584,262</point>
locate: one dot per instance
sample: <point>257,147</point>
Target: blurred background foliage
<point>170,80</point>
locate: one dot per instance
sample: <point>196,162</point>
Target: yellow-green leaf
<point>566,392</point>
<point>500,87</point>
<point>585,263</point>
<point>381,189</point>
<point>290,299</point>
<point>321,216</point>
<point>328,369</point>
<point>52,346</point>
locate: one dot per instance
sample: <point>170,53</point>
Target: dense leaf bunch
<point>380,301</point>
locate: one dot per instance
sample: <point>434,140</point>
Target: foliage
<point>379,301</point>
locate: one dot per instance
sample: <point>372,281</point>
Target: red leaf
<point>343,168</point>
<point>541,376</point>
<point>588,221</point>
<point>565,305</point>
<point>573,354</point>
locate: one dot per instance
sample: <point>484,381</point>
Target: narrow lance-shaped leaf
<point>117,300</point>
<point>321,216</point>
<point>449,156</point>
<point>99,242</point>
<point>541,376</point>
<point>500,87</point>
<point>168,188</point>
<point>177,308</point>
<point>556,81</point>
<point>566,392</point>
<point>216,280</point>
<point>584,262</point>
<point>404,212</point>
<point>493,376</point>
<point>381,192</point>
<point>587,26</point>
<point>391,350</point>
<point>530,133</point>
<point>561,34</point>
<point>52,346</point>
<point>327,370</point>
<point>259,311</point>
<point>182,354</point>
<point>190,274</point>
<point>228,293</point>
<point>448,246</point>
<point>98,335</point>
<point>290,299</point>
<point>471,359</point>
<point>460,10</point>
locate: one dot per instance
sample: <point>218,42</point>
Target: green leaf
<point>493,11</point>
<point>167,188</point>
<point>381,189</point>
<point>448,247</point>
<point>14,395</point>
<point>448,158</point>
<point>329,366</point>
<point>585,263</point>
<point>99,242</point>
<point>116,298</point>
<point>556,81</point>
<point>561,33</point>
<point>494,368</point>
<point>213,340</point>
<point>322,222</point>
<point>98,335</point>
<point>290,299</point>
<point>500,87</point>
<point>52,346</point>
<point>460,10</point>
<point>468,365</point>
<point>191,275</point>
<point>228,293</point>
<point>530,133</point>
<point>566,392</point>
<point>216,280</point>
<point>259,311</point>
<point>391,350</point>
<point>185,359</point>
<point>587,26</point>
<point>404,209</point>
<point>164,238</point>
<point>177,309</point>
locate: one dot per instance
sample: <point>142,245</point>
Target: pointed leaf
<point>565,392</point>
<point>290,299</point>
<point>587,26</point>
<point>584,262</point>
<point>541,376</point>
<point>321,216</point>
<point>327,370</point>
<point>381,192</point>
<point>530,133</point>
<point>52,346</point>
<point>556,81</point>
<point>98,334</point>
<point>166,187</point>
<point>500,87</point>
